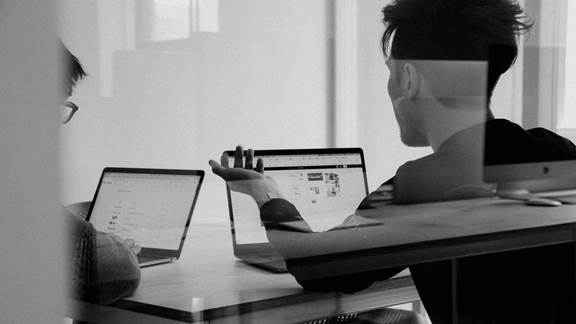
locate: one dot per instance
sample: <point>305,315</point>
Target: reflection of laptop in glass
<point>325,185</point>
<point>150,206</point>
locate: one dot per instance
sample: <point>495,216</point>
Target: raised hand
<point>243,178</point>
<point>240,171</point>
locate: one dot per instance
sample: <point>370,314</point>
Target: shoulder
<point>78,227</point>
<point>547,135</point>
<point>440,177</point>
<point>559,147</point>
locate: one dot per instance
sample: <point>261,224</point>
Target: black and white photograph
<point>288,161</point>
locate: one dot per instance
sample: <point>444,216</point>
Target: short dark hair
<point>466,30</point>
<point>74,71</point>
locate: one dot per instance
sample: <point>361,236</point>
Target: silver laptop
<point>153,207</point>
<point>325,185</point>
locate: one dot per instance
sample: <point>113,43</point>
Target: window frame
<point>143,26</point>
<point>545,47</point>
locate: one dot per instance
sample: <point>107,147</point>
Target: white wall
<point>261,81</point>
<point>567,115</point>
<point>31,226</point>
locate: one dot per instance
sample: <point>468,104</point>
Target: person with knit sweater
<point>103,268</point>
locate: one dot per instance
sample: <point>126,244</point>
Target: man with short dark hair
<point>438,52</point>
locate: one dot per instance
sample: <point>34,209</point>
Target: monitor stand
<point>540,192</point>
<point>529,198</point>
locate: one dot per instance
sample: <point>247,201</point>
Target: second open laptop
<point>153,207</point>
<point>325,185</point>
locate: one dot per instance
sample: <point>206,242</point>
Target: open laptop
<point>153,207</point>
<point>325,185</point>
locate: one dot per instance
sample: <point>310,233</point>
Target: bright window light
<point>177,19</point>
<point>205,13</point>
<point>171,20</point>
<point>567,117</point>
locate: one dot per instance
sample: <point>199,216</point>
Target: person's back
<point>499,286</point>
<point>455,170</point>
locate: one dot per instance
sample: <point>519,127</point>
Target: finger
<point>137,249</point>
<point>249,164</point>
<point>260,166</point>
<point>238,157</point>
<point>216,167</point>
<point>224,160</point>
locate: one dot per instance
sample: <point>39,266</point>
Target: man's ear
<point>410,81</point>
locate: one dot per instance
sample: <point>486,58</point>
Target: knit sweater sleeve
<point>103,268</point>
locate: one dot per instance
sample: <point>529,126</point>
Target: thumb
<point>216,167</point>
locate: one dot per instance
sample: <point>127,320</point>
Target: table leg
<point>573,273</point>
<point>454,291</point>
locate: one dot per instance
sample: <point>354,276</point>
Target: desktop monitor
<point>534,176</point>
<point>541,166</point>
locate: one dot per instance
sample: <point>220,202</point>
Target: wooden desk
<point>207,284</point>
<point>422,233</point>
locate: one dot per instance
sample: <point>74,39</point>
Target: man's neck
<point>453,120</point>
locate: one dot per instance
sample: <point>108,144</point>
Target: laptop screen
<point>152,209</point>
<point>325,186</point>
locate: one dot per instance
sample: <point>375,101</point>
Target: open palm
<point>244,178</point>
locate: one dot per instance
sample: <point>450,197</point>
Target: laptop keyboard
<point>344,318</point>
<point>383,316</point>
